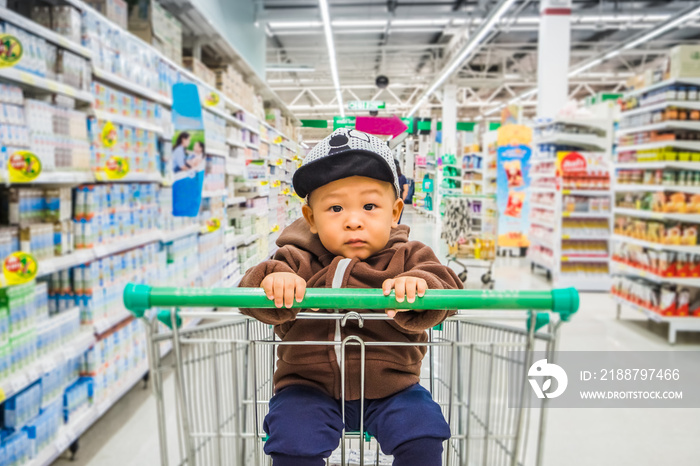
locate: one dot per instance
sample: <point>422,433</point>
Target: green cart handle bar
<point>139,298</point>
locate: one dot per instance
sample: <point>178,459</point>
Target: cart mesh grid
<point>227,367</point>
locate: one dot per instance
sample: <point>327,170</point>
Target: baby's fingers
<point>278,290</point>
<point>300,289</point>
<point>387,286</point>
<point>267,285</point>
<point>421,287</point>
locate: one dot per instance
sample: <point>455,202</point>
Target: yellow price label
<point>52,86</point>
<point>564,258</point>
<point>26,78</point>
<point>212,99</point>
<point>566,214</point>
<point>276,183</point>
<point>566,191</point>
<point>279,162</point>
<point>264,183</point>
<point>109,134</point>
<point>23,167</point>
<point>565,237</point>
<point>2,395</point>
<point>278,140</point>
<point>11,52</point>
<point>116,168</point>
<point>213,224</point>
<point>19,267</point>
<point>275,229</point>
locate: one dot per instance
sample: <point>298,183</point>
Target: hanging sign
<point>19,267</point>
<point>23,167</point>
<point>513,183</point>
<point>212,99</point>
<point>366,104</point>
<point>11,50</point>
<point>188,158</point>
<point>213,224</point>
<point>570,163</point>
<point>109,135</point>
<point>343,122</point>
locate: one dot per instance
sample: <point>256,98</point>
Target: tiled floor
<point>127,435</point>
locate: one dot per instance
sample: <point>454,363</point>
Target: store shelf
<point>626,269</point>
<point>662,84</point>
<point>583,141</point>
<point>534,205</point>
<point>584,258</point>
<point>663,126</point>
<point>137,177</point>
<point>126,244</point>
<point>656,188</point>
<point>217,152</point>
<point>587,236</point>
<point>44,84</point>
<point>49,266</point>
<point>540,262</point>
<point>250,128</point>
<point>17,382</point>
<point>584,123</point>
<point>235,143</point>
<point>106,323</point>
<point>128,121</point>
<point>657,246</point>
<point>688,145</point>
<point>168,237</point>
<point>586,214</point>
<point>656,317</point>
<point>131,87</point>
<point>695,218</point>
<point>58,177</point>
<point>658,164</point>
<point>218,193</point>
<point>235,200</point>
<point>542,175</point>
<point>586,192</point>
<point>535,189</point>
<point>546,242</point>
<point>686,104</point>
<point>39,30</point>
<point>252,146</point>
<point>543,223</point>
<point>69,433</point>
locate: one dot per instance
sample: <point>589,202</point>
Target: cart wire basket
<point>223,364</point>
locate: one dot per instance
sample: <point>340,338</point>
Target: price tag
<point>566,214</point>
<point>655,316</point>
<point>564,258</point>
<point>26,78</point>
<point>52,86</point>
<point>62,442</point>
<point>11,51</point>
<point>566,191</point>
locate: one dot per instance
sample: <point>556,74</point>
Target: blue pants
<point>304,426</point>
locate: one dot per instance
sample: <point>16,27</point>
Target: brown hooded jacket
<point>388,369</point>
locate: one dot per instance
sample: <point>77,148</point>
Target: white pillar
<point>553,56</point>
<point>449,119</point>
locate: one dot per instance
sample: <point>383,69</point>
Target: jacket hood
<point>299,235</point>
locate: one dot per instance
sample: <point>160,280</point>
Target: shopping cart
<point>470,227</point>
<point>223,369</point>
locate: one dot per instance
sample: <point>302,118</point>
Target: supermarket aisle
<point>128,433</point>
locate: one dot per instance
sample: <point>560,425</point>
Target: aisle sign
<point>19,267</point>
<point>366,104</point>
<point>513,182</point>
<point>11,50</point>
<point>23,167</point>
<point>343,122</point>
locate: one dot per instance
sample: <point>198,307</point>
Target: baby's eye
<point>370,206</point>
<point>336,208</point>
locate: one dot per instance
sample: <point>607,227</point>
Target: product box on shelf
<point>200,70</point>
<point>64,20</point>
<point>684,61</point>
<point>660,263</point>
<point>116,11</point>
<point>154,25</point>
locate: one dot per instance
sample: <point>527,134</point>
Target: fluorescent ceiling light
<point>474,42</point>
<point>358,22</point>
<point>294,24</point>
<point>586,66</point>
<point>289,68</point>
<point>346,32</point>
<point>323,4</point>
<point>662,29</point>
<point>419,22</point>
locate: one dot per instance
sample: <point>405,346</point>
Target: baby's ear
<point>396,212</point>
<point>309,217</point>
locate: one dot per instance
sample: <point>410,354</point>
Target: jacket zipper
<point>337,283</point>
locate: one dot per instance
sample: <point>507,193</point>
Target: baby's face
<point>353,217</point>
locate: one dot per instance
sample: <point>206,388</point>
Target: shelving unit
<point>229,111</point>
<point>570,216</point>
<point>655,235</point>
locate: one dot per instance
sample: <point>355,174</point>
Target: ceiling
<point>409,41</point>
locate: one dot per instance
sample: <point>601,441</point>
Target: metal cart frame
<point>223,370</point>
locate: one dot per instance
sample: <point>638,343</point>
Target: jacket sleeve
<point>422,263</point>
<point>254,277</point>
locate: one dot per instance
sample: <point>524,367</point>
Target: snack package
<point>673,235</point>
<point>690,235</point>
<point>668,304</point>
<point>683,308</point>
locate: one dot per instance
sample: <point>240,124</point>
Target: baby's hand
<point>284,287</point>
<point>406,287</point>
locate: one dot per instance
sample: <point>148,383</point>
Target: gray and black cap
<point>345,153</point>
